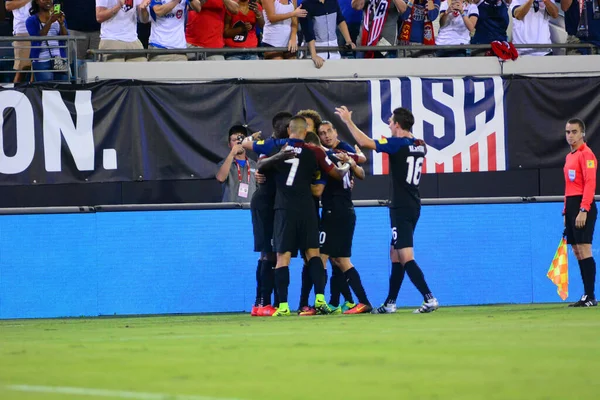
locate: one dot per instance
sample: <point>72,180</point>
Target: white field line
<point>75,391</point>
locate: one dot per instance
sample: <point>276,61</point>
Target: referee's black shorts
<point>403,222</point>
<point>584,235</point>
<point>262,226</point>
<point>337,232</point>
<point>295,230</point>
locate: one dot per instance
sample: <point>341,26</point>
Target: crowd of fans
<point>216,24</point>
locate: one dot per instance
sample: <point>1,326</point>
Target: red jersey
<point>580,175</point>
<point>245,40</point>
<point>205,28</point>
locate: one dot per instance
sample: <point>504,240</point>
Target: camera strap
<point>239,170</point>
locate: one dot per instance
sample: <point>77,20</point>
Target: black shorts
<point>294,230</point>
<point>585,234</point>
<point>262,227</point>
<point>337,231</point>
<point>403,222</point>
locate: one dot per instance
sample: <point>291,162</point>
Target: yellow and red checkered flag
<point>559,270</point>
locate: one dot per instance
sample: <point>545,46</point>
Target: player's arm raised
<point>360,137</point>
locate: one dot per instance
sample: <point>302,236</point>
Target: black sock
<point>588,272</point>
<point>317,274</point>
<point>354,280</point>
<point>258,300</point>
<point>335,285</point>
<point>267,278</point>
<point>345,288</point>
<point>418,279</point>
<point>282,282</point>
<point>396,279</point>
<point>306,287</point>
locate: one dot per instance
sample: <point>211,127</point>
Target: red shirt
<point>580,175</point>
<point>249,39</point>
<point>205,28</point>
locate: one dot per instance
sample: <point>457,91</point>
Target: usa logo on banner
<point>460,119</point>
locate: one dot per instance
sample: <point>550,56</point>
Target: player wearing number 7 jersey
<point>406,156</point>
<point>296,225</point>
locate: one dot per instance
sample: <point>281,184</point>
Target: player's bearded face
<point>328,135</point>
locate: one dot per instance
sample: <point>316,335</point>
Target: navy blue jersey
<point>293,177</point>
<point>405,163</point>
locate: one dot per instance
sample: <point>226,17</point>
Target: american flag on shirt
<point>460,119</point>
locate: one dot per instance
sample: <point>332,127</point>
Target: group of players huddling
<point>305,161</point>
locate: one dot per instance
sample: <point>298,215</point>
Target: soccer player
<point>405,163</point>
<point>296,224</point>
<point>263,213</point>
<point>338,221</point>
<point>580,210</point>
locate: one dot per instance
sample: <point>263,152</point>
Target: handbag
<point>57,62</point>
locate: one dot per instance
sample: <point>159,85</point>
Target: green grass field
<point>499,352</point>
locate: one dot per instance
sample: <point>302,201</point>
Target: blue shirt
<point>572,22</point>
<point>492,22</point>
<point>321,22</point>
<point>418,19</point>
<point>34,26</point>
<point>351,15</point>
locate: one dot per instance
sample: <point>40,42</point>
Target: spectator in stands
<point>205,28</point>
<point>82,22</point>
<point>237,172</point>
<point>240,29</point>
<point>20,10</point>
<point>416,27</point>
<point>319,29</point>
<point>47,57</point>
<point>281,27</point>
<point>531,24</point>
<point>572,23</point>
<point>167,19</point>
<point>353,20</point>
<point>457,22</point>
<point>375,15</point>
<point>118,30</point>
<point>492,23</point>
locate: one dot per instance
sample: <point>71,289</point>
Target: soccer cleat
<point>307,311</point>
<point>585,301</point>
<point>347,305</point>
<point>388,308</point>
<point>281,313</point>
<point>266,311</point>
<point>335,310</point>
<point>428,306</point>
<point>254,311</point>
<point>359,309</point>
<point>322,307</point>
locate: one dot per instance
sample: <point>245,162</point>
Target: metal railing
<point>197,51</point>
<point>245,206</point>
<point>69,47</point>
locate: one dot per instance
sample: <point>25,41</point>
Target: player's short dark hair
<point>578,122</point>
<point>324,122</point>
<point>313,138</point>
<point>280,122</point>
<point>404,118</point>
<point>313,115</point>
<point>298,120</point>
<point>238,130</point>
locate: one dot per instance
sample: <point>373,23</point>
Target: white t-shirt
<point>535,28</point>
<point>278,34</point>
<point>455,31</point>
<point>20,15</point>
<point>168,31</point>
<point>123,26</point>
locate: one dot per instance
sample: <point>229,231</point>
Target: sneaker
<point>585,301</point>
<point>336,310</point>
<point>266,311</point>
<point>254,311</point>
<point>428,306</point>
<point>307,311</point>
<point>389,308</point>
<point>322,308</point>
<point>359,309</point>
<point>347,305</point>
<point>281,313</point>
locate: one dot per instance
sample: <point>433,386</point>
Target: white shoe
<point>385,309</point>
<point>428,306</point>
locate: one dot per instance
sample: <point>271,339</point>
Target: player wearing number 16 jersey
<point>406,156</point>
